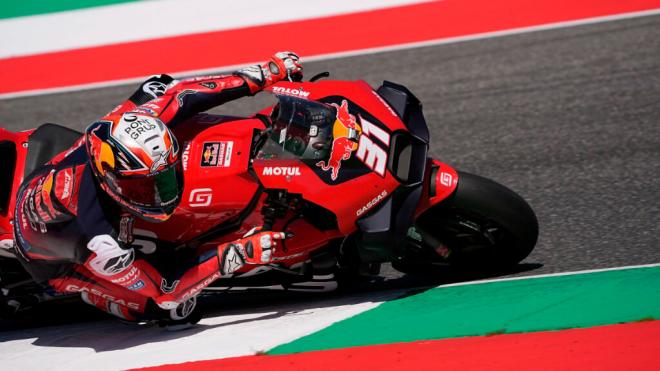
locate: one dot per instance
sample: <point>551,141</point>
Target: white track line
<point>107,345</point>
<point>488,35</point>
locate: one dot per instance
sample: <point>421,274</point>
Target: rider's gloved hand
<point>282,65</point>
<point>109,258</point>
<point>254,248</point>
<point>288,65</point>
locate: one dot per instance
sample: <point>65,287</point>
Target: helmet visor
<point>158,191</point>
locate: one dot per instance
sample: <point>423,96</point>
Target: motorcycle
<point>341,167</point>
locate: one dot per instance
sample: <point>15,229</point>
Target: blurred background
<point>559,100</point>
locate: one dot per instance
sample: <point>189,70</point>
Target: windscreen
<point>301,129</point>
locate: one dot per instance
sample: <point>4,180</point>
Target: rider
<point>74,215</point>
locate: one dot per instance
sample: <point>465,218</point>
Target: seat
<point>47,141</point>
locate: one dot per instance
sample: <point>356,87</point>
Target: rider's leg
<point>107,297</point>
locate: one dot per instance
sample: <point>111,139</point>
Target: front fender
<point>440,181</point>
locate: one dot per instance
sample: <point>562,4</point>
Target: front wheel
<point>481,225</point>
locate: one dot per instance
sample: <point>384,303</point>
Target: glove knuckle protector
<point>231,259</point>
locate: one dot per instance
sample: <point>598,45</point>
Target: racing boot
<point>185,316</point>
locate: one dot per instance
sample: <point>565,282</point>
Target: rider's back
<point>58,208</point>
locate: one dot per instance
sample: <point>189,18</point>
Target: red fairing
<point>215,155</point>
<point>438,188</point>
<point>348,200</point>
<point>342,199</point>
<point>359,92</point>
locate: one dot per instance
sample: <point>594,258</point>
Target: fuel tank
<point>215,154</point>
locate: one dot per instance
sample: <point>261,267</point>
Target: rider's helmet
<point>136,161</point>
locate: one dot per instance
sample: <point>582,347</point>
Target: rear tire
<point>483,224</point>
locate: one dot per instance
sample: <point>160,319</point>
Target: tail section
<point>12,161</point>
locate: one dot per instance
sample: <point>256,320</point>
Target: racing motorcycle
<point>341,167</point>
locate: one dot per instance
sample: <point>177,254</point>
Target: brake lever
<point>322,75</point>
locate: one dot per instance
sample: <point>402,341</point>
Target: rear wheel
<point>483,225</point>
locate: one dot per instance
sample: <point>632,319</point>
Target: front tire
<point>481,225</point>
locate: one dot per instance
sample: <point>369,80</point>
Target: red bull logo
<point>345,132</point>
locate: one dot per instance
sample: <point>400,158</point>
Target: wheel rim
<point>471,239</point>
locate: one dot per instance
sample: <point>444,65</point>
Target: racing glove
<point>280,66</point>
<point>254,248</point>
<point>108,258</point>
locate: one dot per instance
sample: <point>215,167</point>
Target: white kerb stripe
<point>145,20</point>
<point>559,274</point>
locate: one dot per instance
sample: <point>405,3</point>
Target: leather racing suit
<point>73,237</point>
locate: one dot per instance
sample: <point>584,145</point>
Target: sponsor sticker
<point>186,156</point>
<point>199,287</point>
<point>217,154</point>
<point>281,170</point>
<point>446,179</point>
<point>139,285</point>
<point>375,201</point>
<point>166,287</point>
<point>345,132</point>
<point>300,93</point>
<point>132,275</point>
<point>65,177</point>
<point>94,291</point>
<point>154,88</point>
<point>200,197</point>
<point>160,162</point>
<point>135,126</point>
<point>183,94</point>
<point>209,85</point>
<point>117,264</point>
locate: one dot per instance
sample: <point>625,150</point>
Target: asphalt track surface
<point>569,118</point>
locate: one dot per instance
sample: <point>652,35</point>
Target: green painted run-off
<point>547,303</point>
<point>19,8</point>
